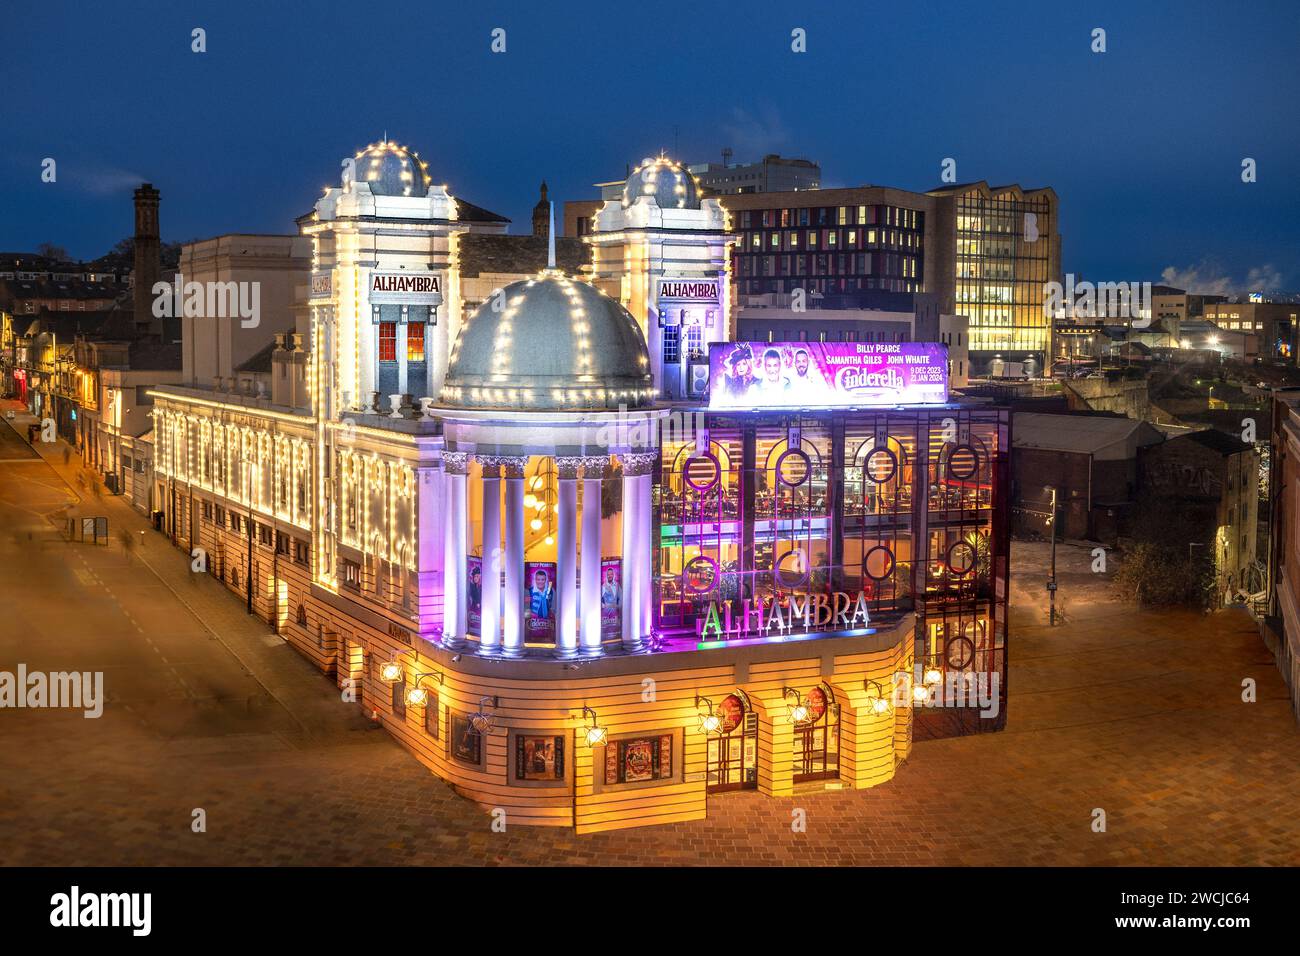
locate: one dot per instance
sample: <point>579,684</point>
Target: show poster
<point>473,593</point>
<point>539,758</point>
<point>821,374</point>
<point>611,597</point>
<point>539,601</point>
<point>466,743</point>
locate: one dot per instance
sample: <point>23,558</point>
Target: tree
<point>49,250</point>
<point>1169,563</point>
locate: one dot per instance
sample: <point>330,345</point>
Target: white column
<point>453,597</point>
<point>566,558</point>
<point>513,618</point>
<point>645,564</point>
<point>593,470</point>
<point>637,549</point>
<point>490,613</point>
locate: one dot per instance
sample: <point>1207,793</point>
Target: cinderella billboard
<point>826,374</point>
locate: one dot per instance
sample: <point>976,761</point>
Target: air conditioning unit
<point>698,380</point>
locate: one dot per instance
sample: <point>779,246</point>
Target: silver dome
<point>392,170</point>
<point>670,183</point>
<point>549,343</point>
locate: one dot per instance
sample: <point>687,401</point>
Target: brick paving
<point>1136,713</point>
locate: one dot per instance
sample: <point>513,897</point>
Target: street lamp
<point>248,526</point>
<point>1051,581</point>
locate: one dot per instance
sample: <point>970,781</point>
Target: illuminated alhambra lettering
<point>838,610</point>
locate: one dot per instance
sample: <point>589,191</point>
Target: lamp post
<point>248,527</point>
<point>1051,580</point>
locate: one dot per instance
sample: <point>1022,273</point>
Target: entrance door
<point>733,754</point>
<point>817,740</point>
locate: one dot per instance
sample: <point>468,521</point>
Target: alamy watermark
<point>1098,300</point>
<point>79,690</point>
<point>954,689</point>
<point>75,908</point>
<point>209,300</point>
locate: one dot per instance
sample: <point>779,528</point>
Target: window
<point>694,341</point>
<point>351,575</point>
<point>388,341</point>
<point>234,521</point>
<point>281,543</point>
<point>399,698</point>
<point>218,514</point>
<point>672,350</point>
<point>415,342</point>
<point>207,511</point>
<point>264,535</point>
<point>301,553</point>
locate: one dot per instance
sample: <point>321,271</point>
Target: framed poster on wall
<point>473,593</point>
<point>611,597</point>
<point>539,601</point>
<point>639,759</point>
<point>464,743</point>
<point>539,757</point>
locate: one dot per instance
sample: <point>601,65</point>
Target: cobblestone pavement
<point>1136,713</point>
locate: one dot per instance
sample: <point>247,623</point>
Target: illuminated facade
<point>1005,249</point>
<point>569,599</point>
<point>661,250</point>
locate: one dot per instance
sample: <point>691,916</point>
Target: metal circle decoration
<point>700,574</point>
<point>689,467</point>
<point>796,576</point>
<point>960,653</point>
<point>793,456</point>
<point>878,553</point>
<point>965,551</point>
<point>881,465</point>
<point>732,712</point>
<point>816,701</point>
<point>963,463</point>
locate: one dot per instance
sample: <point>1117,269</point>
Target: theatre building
<point>581,605</point>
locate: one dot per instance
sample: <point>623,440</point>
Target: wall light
<point>482,719</point>
<point>798,710</point>
<point>876,699</point>
<point>391,672</point>
<point>710,723</point>
<point>595,734</point>
<point>417,696</point>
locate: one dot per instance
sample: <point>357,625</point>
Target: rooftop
<point>1103,437</point>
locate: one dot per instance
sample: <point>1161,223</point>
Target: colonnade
<point>578,553</point>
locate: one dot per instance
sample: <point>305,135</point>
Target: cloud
<point>754,136</point>
<point>1210,278</point>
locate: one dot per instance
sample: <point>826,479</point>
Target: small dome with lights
<point>392,170</point>
<point>669,182</point>
<point>549,343</point>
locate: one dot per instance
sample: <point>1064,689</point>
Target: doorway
<point>733,753</point>
<point>817,739</point>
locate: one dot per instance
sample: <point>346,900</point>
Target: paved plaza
<point>1135,713</point>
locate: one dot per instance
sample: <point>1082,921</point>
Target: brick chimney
<point>148,259</point>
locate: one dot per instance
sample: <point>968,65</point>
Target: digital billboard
<point>826,374</point>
